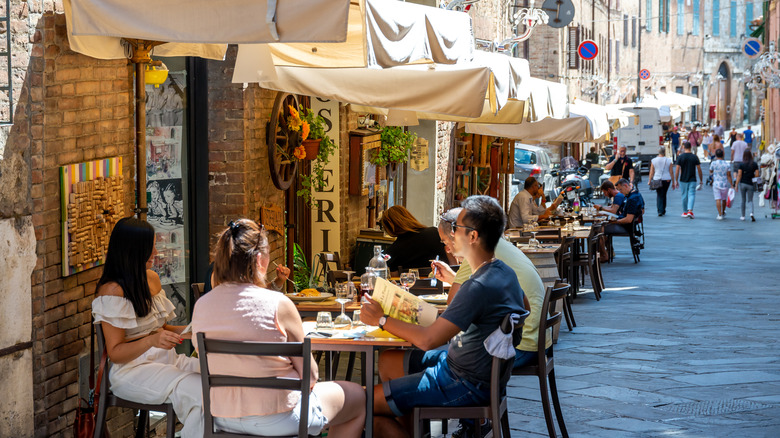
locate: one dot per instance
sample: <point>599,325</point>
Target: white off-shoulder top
<point>119,312</point>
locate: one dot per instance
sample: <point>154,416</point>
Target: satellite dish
<point>561,12</point>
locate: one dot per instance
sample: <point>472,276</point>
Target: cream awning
<point>434,91</point>
<point>200,27</point>
<point>381,33</point>
<point>683,102</point>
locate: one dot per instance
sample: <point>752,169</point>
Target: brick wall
<point>77,109</point>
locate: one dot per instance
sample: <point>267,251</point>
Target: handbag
<point>758,183</point>
<point>615,178</point>
<point>84,423</point>
<point>655,184</point>
<point>730,196</point>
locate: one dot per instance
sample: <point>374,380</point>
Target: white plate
<point>322,297</point>
<point>435,299</point>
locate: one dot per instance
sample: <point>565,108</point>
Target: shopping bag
<point>730,196</point>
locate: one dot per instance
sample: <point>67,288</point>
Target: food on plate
<point>307,293</point>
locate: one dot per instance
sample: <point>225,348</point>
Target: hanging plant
<point>301,271</point>
<point>396,144</point>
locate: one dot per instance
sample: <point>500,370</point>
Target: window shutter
<point>574,41</point>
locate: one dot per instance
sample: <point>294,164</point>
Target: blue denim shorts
<point>282,424</point>
<point>430,382</point>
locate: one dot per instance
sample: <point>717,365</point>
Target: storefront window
<point>166,188</point>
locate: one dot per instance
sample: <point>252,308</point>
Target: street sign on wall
<point>644,74</point>
<point>588,50</point>
<point>752,47</point>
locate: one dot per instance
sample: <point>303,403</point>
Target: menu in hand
<point>400,304</point>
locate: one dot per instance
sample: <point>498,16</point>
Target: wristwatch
<point>382,322</point>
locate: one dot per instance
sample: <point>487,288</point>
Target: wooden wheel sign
<point>282,141</point>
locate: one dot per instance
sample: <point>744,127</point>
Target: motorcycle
<point>571,183</point>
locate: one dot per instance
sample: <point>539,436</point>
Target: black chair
<point>496,410</point>
<point>108,399</point>
<point>197,290</point>
<point>544,368</point>
<point>636,238</point>
<point>208,347</point>
<point>588,262</point>
<point>564,256</point>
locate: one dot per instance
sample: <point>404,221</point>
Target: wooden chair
<point>197,290</point>
<point>544,368</point>
<point>496,410</point>
<point>334,276</point>
<point>108,399</point>
<point>208,347</point>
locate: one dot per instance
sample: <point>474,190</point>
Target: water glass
<point>356,318</point>
<point>407,280</point>
<point>324,320</point>
<point>416,273</point>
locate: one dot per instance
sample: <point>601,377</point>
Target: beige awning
<point>381,33</point>
<point>200,27</point>
<point>434,91</point>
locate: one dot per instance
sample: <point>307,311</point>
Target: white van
<point>642,137</point>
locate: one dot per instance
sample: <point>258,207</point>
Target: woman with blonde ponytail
<point>241,308</point>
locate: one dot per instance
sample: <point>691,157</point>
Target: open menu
<point>400,304</point>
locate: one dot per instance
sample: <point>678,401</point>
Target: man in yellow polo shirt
<point>527,276</point>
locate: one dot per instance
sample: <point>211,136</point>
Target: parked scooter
<point>573,184</point>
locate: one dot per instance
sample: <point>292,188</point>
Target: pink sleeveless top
<point>244,312</point>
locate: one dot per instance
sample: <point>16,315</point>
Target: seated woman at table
<point>415,244</point>
<point>133,311</point>
<point>241,308</point>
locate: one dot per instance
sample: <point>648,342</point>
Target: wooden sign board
<point>272,218</point>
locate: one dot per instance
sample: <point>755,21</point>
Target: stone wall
<point>80,109</point>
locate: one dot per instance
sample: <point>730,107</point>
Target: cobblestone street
<point>682,344</point>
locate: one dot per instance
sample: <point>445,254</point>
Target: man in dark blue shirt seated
<point>609,191</point>
<point>459,375</point>
<point>633,206</point>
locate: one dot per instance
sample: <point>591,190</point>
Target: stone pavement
<point>683,344</point>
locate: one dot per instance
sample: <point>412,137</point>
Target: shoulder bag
<point>84,423</point>
<point>615,178</point>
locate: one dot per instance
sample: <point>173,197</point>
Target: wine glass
<point>407,280</point>
<point>416,273</point>
<point>533,243</point>
<point>341,321</point>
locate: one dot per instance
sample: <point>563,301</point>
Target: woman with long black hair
<point>747,170</point>
<point>133,311</point>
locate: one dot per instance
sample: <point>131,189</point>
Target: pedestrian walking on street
<point>662,170</point>
<point>718,130</point>
<point>732,136</point>
<point>688,166</point>
<point>748,136</point>
<point>716,144</point>
<point>694,138</point>
<point>738,149</point>
<point>674,136</point>
<point>705,145</point>
<point>721,181</point>
<point>748,169</point>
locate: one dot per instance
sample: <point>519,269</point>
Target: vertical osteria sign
<point>326,216</point>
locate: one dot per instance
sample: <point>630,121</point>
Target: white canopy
<point>382,33</point>
<point>676,99</point>
<point>665,111</point>
<point>435,91</point>
<point>586,122</point>
<point>200,27</point>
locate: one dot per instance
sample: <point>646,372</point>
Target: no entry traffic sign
<point>588,50</point>
<point>644,74</point>
<point>752,47</point>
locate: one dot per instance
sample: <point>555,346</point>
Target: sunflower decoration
<point>300,152</point>
<point>294,121</point>
<point>305,129</point>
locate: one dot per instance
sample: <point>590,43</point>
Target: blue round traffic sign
<point>752,47</point>
<point>644,74</point>
<point>588,50</point>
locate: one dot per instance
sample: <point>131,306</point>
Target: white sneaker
<point>742,218</point>
<point>720,218</point>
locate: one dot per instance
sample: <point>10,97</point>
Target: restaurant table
<point>544,260</point>
<point>366,346</point>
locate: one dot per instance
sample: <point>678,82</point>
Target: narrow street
<point>685,343</point>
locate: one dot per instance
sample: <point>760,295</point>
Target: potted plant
<point>461,193</point>
<point>396,144</point>
<point>459,166</point>
<point>316,145</point>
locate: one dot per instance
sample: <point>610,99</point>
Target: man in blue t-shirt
<point>748,133</point>
<point>459,375</point>
<point>674,137</point>
<point>633,206</point>
<point>609,191</point>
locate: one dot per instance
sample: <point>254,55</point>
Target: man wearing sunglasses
<point>460,375</point>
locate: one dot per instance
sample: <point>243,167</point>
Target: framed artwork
<point>92,197</point>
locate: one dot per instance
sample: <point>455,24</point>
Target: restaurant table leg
<point>368,372</point>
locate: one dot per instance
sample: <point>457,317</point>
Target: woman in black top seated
<point>415,244</point>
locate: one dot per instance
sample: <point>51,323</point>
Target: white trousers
<point>162,376</point>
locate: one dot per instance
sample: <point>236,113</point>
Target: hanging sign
<point>326,216</point>
<point>752,47</point>
<point>588,50</point>
<point>644,74</point>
